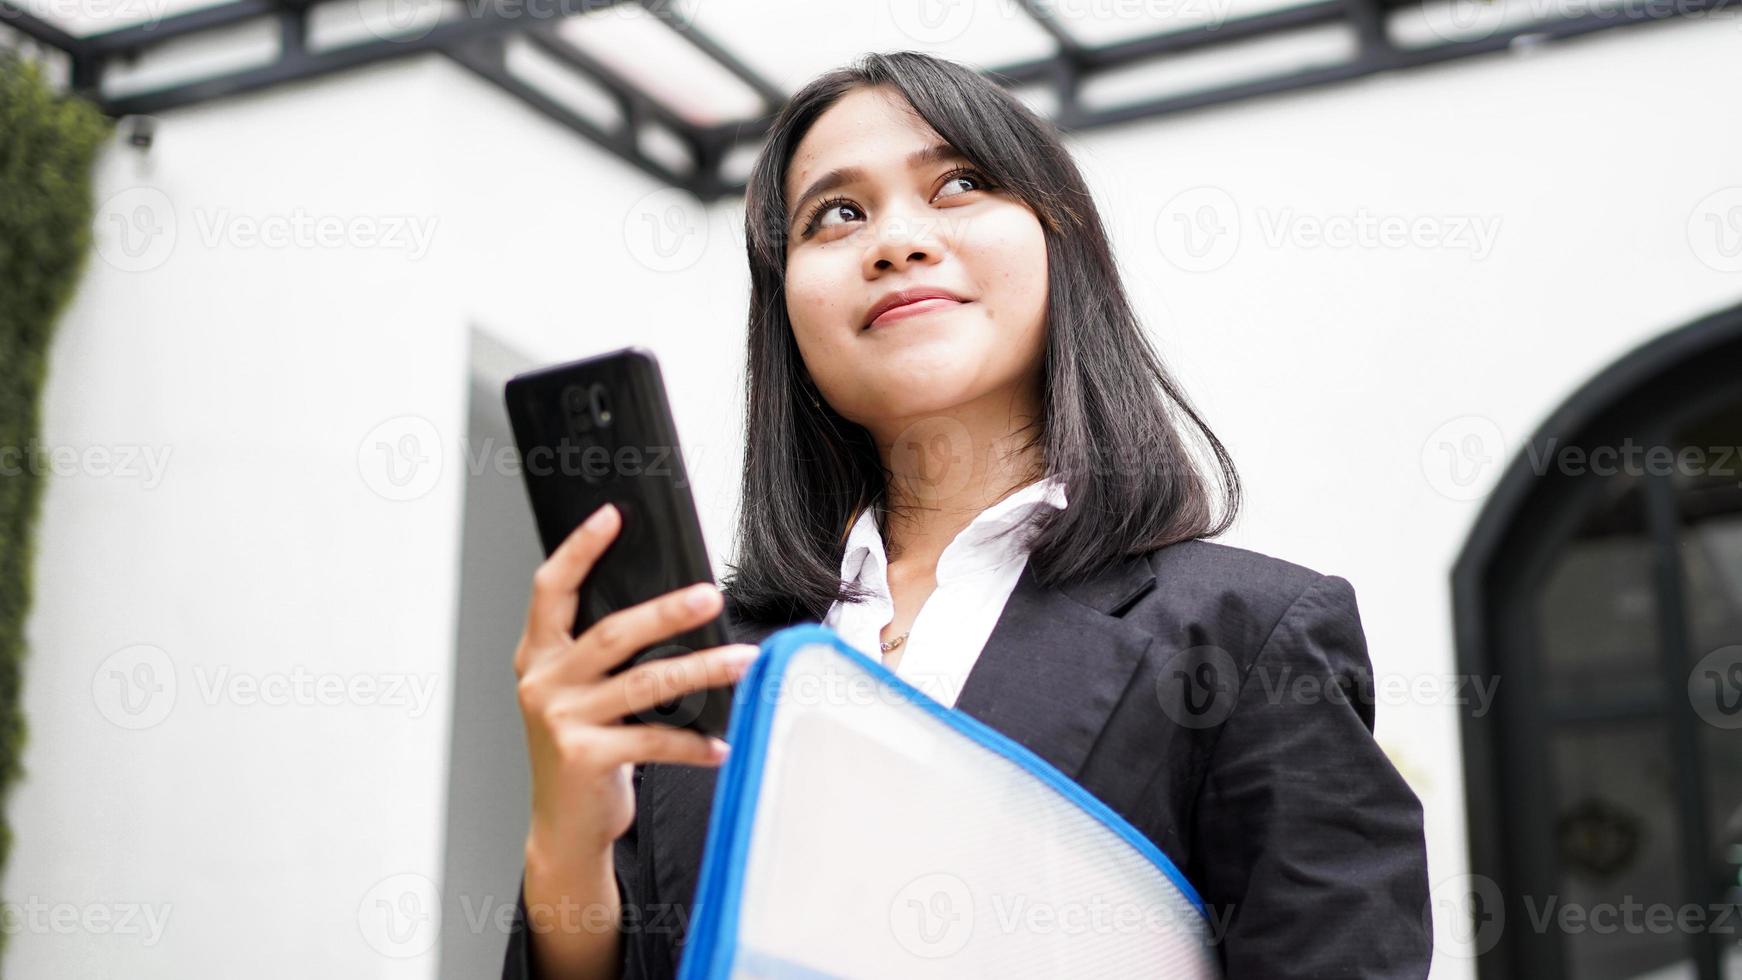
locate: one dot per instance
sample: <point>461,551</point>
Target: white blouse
<point>975,575</point>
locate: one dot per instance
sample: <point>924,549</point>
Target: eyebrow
<point>935,153</point>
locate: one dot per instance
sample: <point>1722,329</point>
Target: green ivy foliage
<point>47,144</point>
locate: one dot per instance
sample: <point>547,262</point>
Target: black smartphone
<point>600,430</point>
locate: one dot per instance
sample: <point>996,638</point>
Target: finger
<point>656,743</point>
<point>619,635</point>
<point>556,584</point>
<point>658,681</point>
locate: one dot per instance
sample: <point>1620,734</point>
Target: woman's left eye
<point>970,175</point>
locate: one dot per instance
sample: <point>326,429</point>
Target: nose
<point>903,239</point>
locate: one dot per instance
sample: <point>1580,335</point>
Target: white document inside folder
<point>863,830</point>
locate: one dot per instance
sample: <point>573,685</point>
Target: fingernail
<point>699,597</point>
<point>600,516</point>
<point>719,747</point>
<point>740,654</point>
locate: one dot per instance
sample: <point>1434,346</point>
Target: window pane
<point>1598,613</point>
<point>1708,481</point>
<point>1619,852</point>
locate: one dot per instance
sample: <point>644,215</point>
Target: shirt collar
<point>975,548</point>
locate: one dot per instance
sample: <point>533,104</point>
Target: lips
<point>909,302</point>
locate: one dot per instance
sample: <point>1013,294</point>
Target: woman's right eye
<point>824,210</point>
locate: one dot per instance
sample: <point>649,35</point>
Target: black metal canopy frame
<point>478,40</point>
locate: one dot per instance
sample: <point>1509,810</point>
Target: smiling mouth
<point>917,308</point>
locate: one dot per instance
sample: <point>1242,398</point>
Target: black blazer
<point>1219,699</point>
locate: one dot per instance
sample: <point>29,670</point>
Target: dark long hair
<point>1112,418</point>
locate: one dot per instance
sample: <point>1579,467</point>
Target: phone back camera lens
<point>578,409</point>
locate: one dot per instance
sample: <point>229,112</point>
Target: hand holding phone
<point>573,693</point>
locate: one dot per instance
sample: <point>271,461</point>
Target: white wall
<point>270,831</point>
<point>258,828</point>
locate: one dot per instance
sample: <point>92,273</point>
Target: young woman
<point>962,448</point>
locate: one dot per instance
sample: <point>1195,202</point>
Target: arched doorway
<point>1602,585</point>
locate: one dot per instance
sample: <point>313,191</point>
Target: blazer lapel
<point>1058,660</point>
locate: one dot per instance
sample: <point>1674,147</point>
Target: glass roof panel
<point>86,17</point>
<point>793,41</point>
<point>557,82</point>
<point>250,44</point>
<point>654,58</point>
<point>1244,61</point>
<point>1099,22</point>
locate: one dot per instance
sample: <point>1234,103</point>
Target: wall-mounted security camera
<point>139,131</point>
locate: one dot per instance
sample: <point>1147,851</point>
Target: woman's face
<point>904,222</point>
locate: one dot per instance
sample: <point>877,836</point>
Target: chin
<point>934,388</point>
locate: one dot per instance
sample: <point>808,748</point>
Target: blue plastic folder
<point>860,829</point>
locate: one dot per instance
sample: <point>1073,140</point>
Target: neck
<point>945,468</point>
